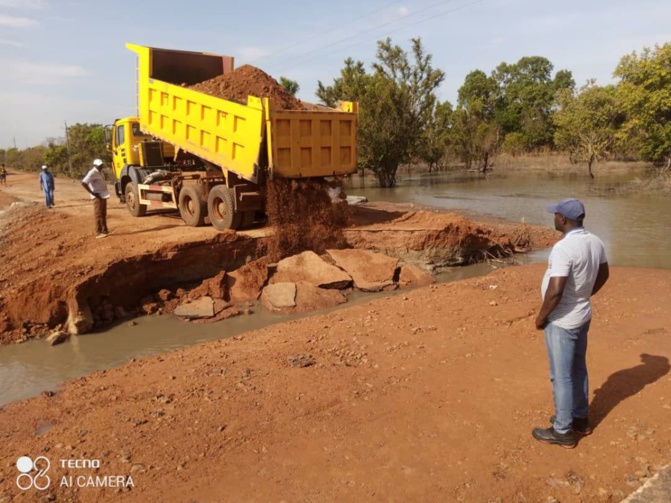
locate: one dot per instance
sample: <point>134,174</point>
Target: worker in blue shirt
<point>47,185</point>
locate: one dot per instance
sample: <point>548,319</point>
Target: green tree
<point>397,100</point>
<point>435,136</point>
<point>290,85</point>
<point>527,98</point>
<point>587,122</point>
<point>644,93</point>
<point>476,133</point>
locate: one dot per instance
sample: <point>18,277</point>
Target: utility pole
<point>14,141</point>
<point>67,146</point>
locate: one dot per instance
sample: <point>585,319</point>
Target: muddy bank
<point>54,274</point>
<point>430,396</point>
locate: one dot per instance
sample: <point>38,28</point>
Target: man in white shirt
<point>95,184</point>
<point>577,269</point>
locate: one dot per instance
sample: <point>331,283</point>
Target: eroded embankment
<point>63,282</point>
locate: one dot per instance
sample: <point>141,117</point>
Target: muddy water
<point>634,229</point>
<point>30,368</point>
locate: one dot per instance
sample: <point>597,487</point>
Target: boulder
<point>201,308</point>
<point>412,276</point>
<point>245,284</point>
<point>308,267</point>
<point>279,295</point>
<point>370,271</point>
<point>57,338</point>
<point>312,298</point>
<point>307,297</point>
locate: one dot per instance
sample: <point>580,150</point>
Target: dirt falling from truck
<point>249,81</point>
<point>304,217</point>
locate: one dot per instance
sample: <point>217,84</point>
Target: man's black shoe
<point>580,425</point>
<point>550,436</point>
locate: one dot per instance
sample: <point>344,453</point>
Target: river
<point>635,230</point>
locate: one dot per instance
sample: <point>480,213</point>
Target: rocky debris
<point>308,267</point>
<point>279,295</point>
<point>201,308</point>
<point>300,361</point>
<point>216,287</point>
<point>412,276</point>
<point>248,80</point>
<point>165,295</point>
<point>57,338</point>
<point>245,284</point>
<point>371,272</point>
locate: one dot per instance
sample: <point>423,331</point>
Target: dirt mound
<point>304,218</point>
<point>249,81</point>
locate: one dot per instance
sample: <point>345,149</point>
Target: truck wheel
<point>133,201</point>
<point>192,207</point>
<point>221,209</point>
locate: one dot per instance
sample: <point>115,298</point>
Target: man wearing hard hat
<point>95,184</point>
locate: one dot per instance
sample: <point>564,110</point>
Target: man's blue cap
<point>570,208</point>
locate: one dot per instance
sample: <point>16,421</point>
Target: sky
<point>65,60</point>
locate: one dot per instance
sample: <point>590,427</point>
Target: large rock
<point>306,297</point>
<point>245,284</point>
<point>308,267</point>
<point>279,295</point>
<point>412,276</point>
<point>311,298</point>
<point>370,271</point>
<point>201,308</point>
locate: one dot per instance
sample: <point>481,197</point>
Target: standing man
<point>3,174</point>
<point>47,185</point>
<point>577,269</point>
<point>95,184</point>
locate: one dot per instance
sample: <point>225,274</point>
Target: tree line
<point>71,155</point>
<point>518,108</point>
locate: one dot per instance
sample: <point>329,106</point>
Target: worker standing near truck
<point>95,184</point>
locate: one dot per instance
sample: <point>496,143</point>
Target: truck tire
<point>132,199</point>
<point>192,206</point>
<point>221,209</point>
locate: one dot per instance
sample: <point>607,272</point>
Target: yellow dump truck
<point>210,158</point>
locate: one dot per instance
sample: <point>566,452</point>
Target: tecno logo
<point>27,479</point>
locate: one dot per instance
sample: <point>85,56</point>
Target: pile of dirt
<point>304,218</point>
<point>249,81</point>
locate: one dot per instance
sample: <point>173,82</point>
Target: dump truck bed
<point>243,138</point>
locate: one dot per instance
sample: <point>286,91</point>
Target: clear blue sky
<point>65,60</point>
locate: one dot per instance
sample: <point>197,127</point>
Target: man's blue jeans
<point>568,372</point>
<point>49,197</point>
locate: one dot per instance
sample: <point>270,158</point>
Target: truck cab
<point>126,140</point>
